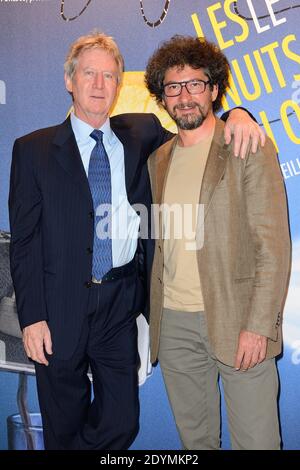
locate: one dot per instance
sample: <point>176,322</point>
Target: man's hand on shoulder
<point>243,129</point>
<point>36,339</point>
<point>252,349</point>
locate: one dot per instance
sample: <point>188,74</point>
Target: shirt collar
<point>82,130</point>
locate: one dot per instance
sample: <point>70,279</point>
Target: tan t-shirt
<point>182,289</point>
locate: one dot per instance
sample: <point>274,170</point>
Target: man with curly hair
<point>217,290</point>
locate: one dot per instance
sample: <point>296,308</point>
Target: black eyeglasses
<point>194,87</point>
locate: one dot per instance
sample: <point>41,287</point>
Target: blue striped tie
<point>100,185</point>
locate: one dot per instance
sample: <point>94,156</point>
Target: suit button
<point>160,280</point>
<point>91,214</point>
<point>89,250</point>
<point>159,247</point>
<point>88,284</point>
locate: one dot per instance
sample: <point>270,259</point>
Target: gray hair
<point>93,40</point>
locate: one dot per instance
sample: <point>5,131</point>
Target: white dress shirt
<point>125,221</point>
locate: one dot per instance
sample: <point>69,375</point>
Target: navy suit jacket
<point>51,220</point>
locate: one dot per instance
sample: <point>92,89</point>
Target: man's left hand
<point>252,349</point>
<point>243,128</point>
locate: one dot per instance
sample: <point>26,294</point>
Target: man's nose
<point>184,93</point>
<point>99,80</point>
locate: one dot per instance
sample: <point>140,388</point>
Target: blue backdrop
<point>261,41</point>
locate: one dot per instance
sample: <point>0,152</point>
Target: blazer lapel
<point>215,166</point>
<point>214,170</point>
<point>67,154</point>
<point>162,165</point>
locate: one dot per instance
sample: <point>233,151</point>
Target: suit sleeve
<point>26,259</point>
<point>268,222</point>
<point>225,116</point>
<point>162,135</point>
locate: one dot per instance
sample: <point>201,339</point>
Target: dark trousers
<point>108,345</point>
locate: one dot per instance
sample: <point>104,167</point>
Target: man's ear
<point>214,93</point>
<point>68,83</point>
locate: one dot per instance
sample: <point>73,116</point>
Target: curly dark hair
<point>187,50</point>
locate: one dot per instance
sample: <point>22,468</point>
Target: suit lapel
<point>215,166</point>
<point>132,149</point>
<point>67,154</point>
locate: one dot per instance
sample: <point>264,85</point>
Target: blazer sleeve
<point>267,216</point>
<point>26,258</point>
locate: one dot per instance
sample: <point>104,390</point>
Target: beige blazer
<point>244,263</point>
